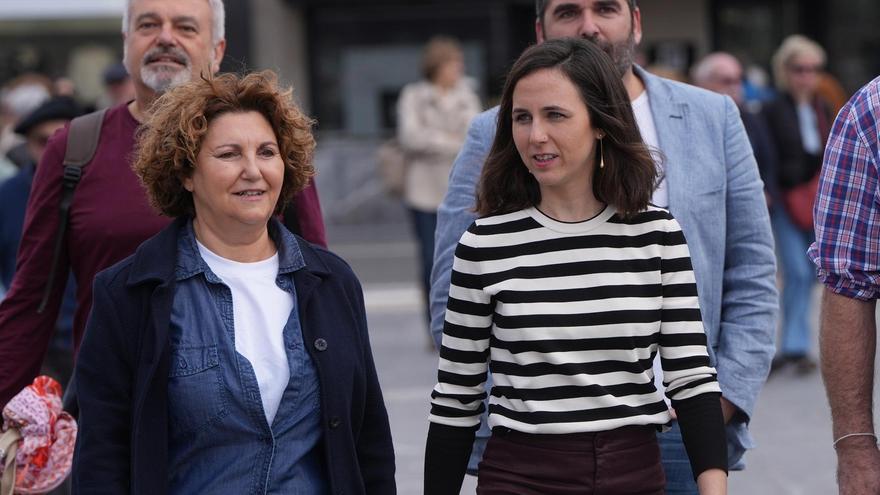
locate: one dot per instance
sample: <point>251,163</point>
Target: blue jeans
<point>679,476</point>
<point>424,224</point>
<point>798,277</point>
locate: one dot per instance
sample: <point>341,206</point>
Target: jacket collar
<point>152,263</point>
<point>671,121</point>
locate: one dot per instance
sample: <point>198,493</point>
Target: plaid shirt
<point>847,210</point>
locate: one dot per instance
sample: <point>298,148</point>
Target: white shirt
<point>809,127</point>
<point>642,109</point>
<point>260,311</point>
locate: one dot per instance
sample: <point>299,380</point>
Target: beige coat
<point>431,129</point>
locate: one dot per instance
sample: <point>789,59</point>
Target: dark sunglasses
<point>804,69</point>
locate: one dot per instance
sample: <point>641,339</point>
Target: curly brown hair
<point>169,141</point>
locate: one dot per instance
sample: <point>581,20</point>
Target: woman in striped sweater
<point>567,287</point>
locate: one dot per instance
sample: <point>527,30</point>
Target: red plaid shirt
<point>847,210</point>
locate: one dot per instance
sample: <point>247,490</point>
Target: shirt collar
<point>190,262</point>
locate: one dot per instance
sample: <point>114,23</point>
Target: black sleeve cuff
<point>702,430</point>
<point>446,458</point>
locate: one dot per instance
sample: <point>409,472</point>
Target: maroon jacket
<point>109,218</point>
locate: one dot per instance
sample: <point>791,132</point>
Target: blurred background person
<point>722,73</point>
<point>18,98</point>
<point>265,381</point>
<point>832,92</point>
<point>433,117</point>
<point>799,122</point>
<point>37,128</point>
<point>118,86</point>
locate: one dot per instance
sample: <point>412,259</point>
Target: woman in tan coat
<point>433,117</point>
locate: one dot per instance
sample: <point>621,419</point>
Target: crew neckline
<point>580,227</point>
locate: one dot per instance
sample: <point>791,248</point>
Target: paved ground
<point>791,425</point>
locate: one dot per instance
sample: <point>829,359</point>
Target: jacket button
<point>321,345</point>
<point>335,422</point>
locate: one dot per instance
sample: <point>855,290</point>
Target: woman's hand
<point>712,482</point>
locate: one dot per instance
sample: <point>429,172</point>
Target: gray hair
<point>218,20</point>
<point>704,70</point>
<point>541,5</point>
<point>793,46</point>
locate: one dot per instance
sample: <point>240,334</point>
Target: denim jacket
<point>126,359</point>
<point>214,398</point>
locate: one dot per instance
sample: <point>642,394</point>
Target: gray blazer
<point>716,195</point>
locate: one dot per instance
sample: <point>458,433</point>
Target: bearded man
<point>711,185</point>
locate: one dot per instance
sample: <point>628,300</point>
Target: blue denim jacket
<point>219,439</point>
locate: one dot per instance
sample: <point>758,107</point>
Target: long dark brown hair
<point>628,178</point>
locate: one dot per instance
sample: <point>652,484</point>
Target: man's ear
<point>637,25</point>
<point>539,30</point>
<point>219,50</point>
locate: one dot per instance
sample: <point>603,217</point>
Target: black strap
<point>82,142</point>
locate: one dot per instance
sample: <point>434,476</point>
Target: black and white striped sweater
<point>571,315</point>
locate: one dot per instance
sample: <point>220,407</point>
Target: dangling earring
<point>601,154</point>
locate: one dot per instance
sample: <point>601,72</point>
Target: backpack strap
<point>82,142</point>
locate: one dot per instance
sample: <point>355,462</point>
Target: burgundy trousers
<point>624,461</point>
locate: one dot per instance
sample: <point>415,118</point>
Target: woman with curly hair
<point>228,355</point>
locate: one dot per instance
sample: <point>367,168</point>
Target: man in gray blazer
<point>711,185</point>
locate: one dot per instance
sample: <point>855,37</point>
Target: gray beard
<point>161,80</point>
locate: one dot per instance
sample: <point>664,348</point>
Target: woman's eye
<point>267,152</point>
<point>226,155</point>
<point>521,118</point>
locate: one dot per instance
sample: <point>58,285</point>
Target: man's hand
<point>858,466</point>
<point>727,409</point>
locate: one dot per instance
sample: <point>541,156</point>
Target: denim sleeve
<point>456,212</point>
<point>749,302</point>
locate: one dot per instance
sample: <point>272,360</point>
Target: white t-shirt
<point>642,109</point>
<point>260,311</point>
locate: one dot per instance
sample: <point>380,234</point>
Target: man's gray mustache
<point>176,56</point>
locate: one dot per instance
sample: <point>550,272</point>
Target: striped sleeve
<point>683,353</point>
<point>457,399</point>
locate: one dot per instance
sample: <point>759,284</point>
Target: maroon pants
<point>624,461</point>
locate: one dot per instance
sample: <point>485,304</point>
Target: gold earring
<point>601,154</point>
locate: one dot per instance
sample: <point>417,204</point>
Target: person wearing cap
<point>37,127</point>
<point>118,86</point>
